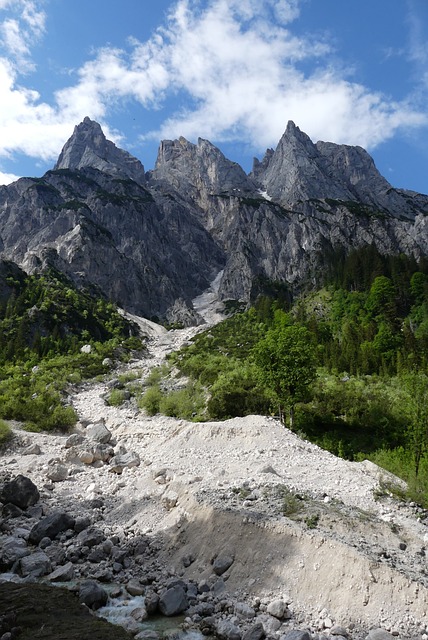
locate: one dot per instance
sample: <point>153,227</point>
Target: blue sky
<point>231,71</point>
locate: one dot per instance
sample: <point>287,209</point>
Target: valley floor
<point>297,522</point>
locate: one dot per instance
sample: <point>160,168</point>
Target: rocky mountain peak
<point>199,170</point>
<point>88,147</point>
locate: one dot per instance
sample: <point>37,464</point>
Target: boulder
<point>170,499</point>
<point>173,601</point>
<point>256,632</point>
<point>379,634</point>
<point>74,440</point>
<point>92,594</point>
<point>32,450</point>
<point>277,608</point>
<point>50,526</point>
<point>57,472</point>
<point>296,634</point>
<point>35,565</point>
<point>151,602</point>
<point>98,432</point>
<point>244,610</point>
<point>65,573</point>
<point>90,537</point>
<point>222,563</point>
<point>134,588</point>
<point>20,491</point>
<point>226,630</point>
<point>11,550</point>
<point>123,461</point>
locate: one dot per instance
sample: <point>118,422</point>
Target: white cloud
<point>234,68</point>
<point>7,178</point>
<point>21,28</point>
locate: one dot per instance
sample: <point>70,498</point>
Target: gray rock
<point>32,450</point>
<point>90,537</point>
<point>226,630</point>
<point>222,563</point>
<point>337,630</point>
<point>98,432</point>
<point>74,440</point>
<point>65,573</point>
<point>244,610</point>
<point>92,594</point>
<point>20,491</point>
<point>379,634</point>
<point>140,614</point>
<point>173,601</point>
<point>134,588</point>
<point>296,635</point>
<point>11,550</point>
<point>57,472</point>
<point>124,461</point>
<point>255,632</point>
<point>151,602</point>
<point>35,565</point>
<point>270,624</point>
<point>277,608</point>
<point>50,526</point>
<point>81,523</point>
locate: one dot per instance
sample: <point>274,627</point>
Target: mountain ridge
<point>152,241</point>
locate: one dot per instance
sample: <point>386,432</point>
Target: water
<point>119,611</point>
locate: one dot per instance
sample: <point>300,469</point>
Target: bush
<point>237,393</point>
<point>6,433</point>
<point>150,400</point>
<point>184,403</point>
<point>116,398</point>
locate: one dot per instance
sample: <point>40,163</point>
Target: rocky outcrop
<point>88,147</point>
<point>153,242</point>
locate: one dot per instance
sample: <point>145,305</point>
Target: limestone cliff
<point>153,241</point>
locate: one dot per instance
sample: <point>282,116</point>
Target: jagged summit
<point>88,147</point>
<point>299,170</point>
<point>199,169</point>
<point>155,244</point>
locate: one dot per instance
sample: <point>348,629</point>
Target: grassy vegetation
<point>44,322</point>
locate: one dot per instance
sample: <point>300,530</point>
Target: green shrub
<point>116,397</point>
<point>150,400</point>
<point>156,375</point>
<point>186,403</point>
<point>6,433</point>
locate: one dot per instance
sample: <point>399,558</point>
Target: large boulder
<point>98,432</point>
<point>92,594</point>
<point>35,565</point>
<point>226,630</point>
<point>50,526</point>
<point>222,563</point>
<point>20,491</point>
<point>90,537</point>
<point>173,601</point>
<point>11,550</point>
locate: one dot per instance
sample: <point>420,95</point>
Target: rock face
<point>88,147</point>
<point>154,241</point>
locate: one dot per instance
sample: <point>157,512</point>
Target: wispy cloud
<point>235,70</point>
<point>22,24</point>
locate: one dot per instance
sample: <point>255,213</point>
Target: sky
<point>231,71</point>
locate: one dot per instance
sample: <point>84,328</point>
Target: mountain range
<point>152,241</point>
